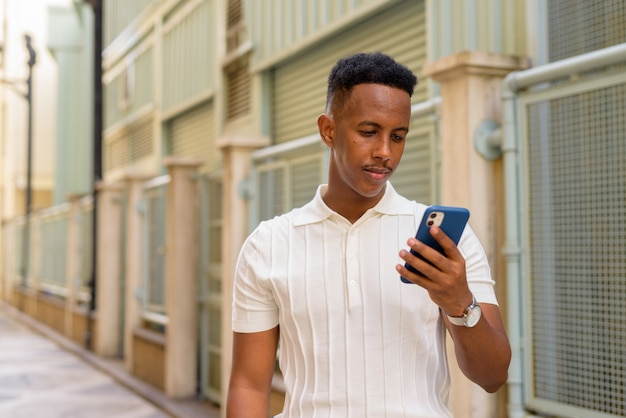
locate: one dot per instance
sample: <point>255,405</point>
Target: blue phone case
<point>451,220</point>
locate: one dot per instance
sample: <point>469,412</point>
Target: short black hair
<point>367,68</point>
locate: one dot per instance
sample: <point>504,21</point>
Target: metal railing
<point>210,284</point>
<point>50,251</point>
<point>521,389</point>
<point>52,225</point>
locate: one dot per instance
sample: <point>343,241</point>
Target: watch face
<point>473,316</point>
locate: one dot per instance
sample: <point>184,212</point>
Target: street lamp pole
<point>32,59</point>
<point>97,6</point>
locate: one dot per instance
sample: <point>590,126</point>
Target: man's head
<point>365,68</point>
<point>365,126</point>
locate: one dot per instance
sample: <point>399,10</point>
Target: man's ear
<point>326,128</point>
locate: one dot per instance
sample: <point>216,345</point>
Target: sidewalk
<point>44,375</point>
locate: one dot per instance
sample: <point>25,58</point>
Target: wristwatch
<point>470,317</point>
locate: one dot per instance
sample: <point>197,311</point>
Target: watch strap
<point>461,321</point>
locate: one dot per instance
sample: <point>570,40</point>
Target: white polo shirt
<point>354,340</point>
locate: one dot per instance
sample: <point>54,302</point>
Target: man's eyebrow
<point>377,125</point>
<point>370,123</point>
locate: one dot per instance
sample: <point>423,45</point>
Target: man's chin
<point>373,191</point>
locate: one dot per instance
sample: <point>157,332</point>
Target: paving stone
<point>38,379</point>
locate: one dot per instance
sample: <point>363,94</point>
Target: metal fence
<point>50,251</point>
<point>210,285</point>
<point>285,176</point>
<point>564,129</point>
<point>52,226</point>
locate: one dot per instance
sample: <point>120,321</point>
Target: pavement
<point>44,375</point>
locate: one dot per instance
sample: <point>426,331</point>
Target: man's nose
<point>383,149</point>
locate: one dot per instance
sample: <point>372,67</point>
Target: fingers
<point>427,257</point>
<point>442,275</point>
<point>418,264</point>
<point>432,265</point>
<point>448,246</point>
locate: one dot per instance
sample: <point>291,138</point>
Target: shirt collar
<point>316,210</point>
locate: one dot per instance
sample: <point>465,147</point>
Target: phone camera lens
<point>430,223</point>
<point>433,215</point>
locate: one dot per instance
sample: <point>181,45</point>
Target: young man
<point>324,280</point>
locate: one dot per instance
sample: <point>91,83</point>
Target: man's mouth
<point>378,173</point>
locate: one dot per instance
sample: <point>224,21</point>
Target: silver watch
<point>470,317</point>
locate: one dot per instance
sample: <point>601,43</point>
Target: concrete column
<point>133,264</point>
<point>236,153</point>
<point>73,262</point>
<point>8,259</point>
<point>108,269</point>
<point>471,83</point>
<point>181,265</point>
<point>70,42</point>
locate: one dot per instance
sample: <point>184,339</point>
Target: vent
<point>235,26</point>
<point>129,145</point>
<point>238,80</point>
<point>141,144</point>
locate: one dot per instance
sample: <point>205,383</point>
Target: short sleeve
<point>254,308</point>
<point>479,277</point>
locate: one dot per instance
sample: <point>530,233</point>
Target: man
<point>324,280</point>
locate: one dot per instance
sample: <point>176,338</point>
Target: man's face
<point>367,138</point>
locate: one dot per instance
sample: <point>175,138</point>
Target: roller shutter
<point>129,144</point>
<point>238,82</point>
<point>192,134</point>
<point>416,177</point>
<point>299,95</point>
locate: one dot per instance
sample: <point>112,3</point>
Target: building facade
<point>209,128</point>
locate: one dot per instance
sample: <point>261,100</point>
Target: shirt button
<point>350,256</point>
<point>352,282</point>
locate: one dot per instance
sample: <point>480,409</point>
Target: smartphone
<point>451,220</point>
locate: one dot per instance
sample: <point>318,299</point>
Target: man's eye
<point>397,138</point>
<point>368,133</point>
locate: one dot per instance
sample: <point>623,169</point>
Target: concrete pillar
<point>8,259</point>
<point>70,42</point>
<point>181,261</point>
<point>236,153</point>
<point>108,269</point>
<point>471,84</point>
<point>133,264</point>
<point>73,262</point>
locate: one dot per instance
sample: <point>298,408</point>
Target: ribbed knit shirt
<point>354,340</point>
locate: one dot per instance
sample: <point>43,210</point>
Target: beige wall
<point>40,199</point>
